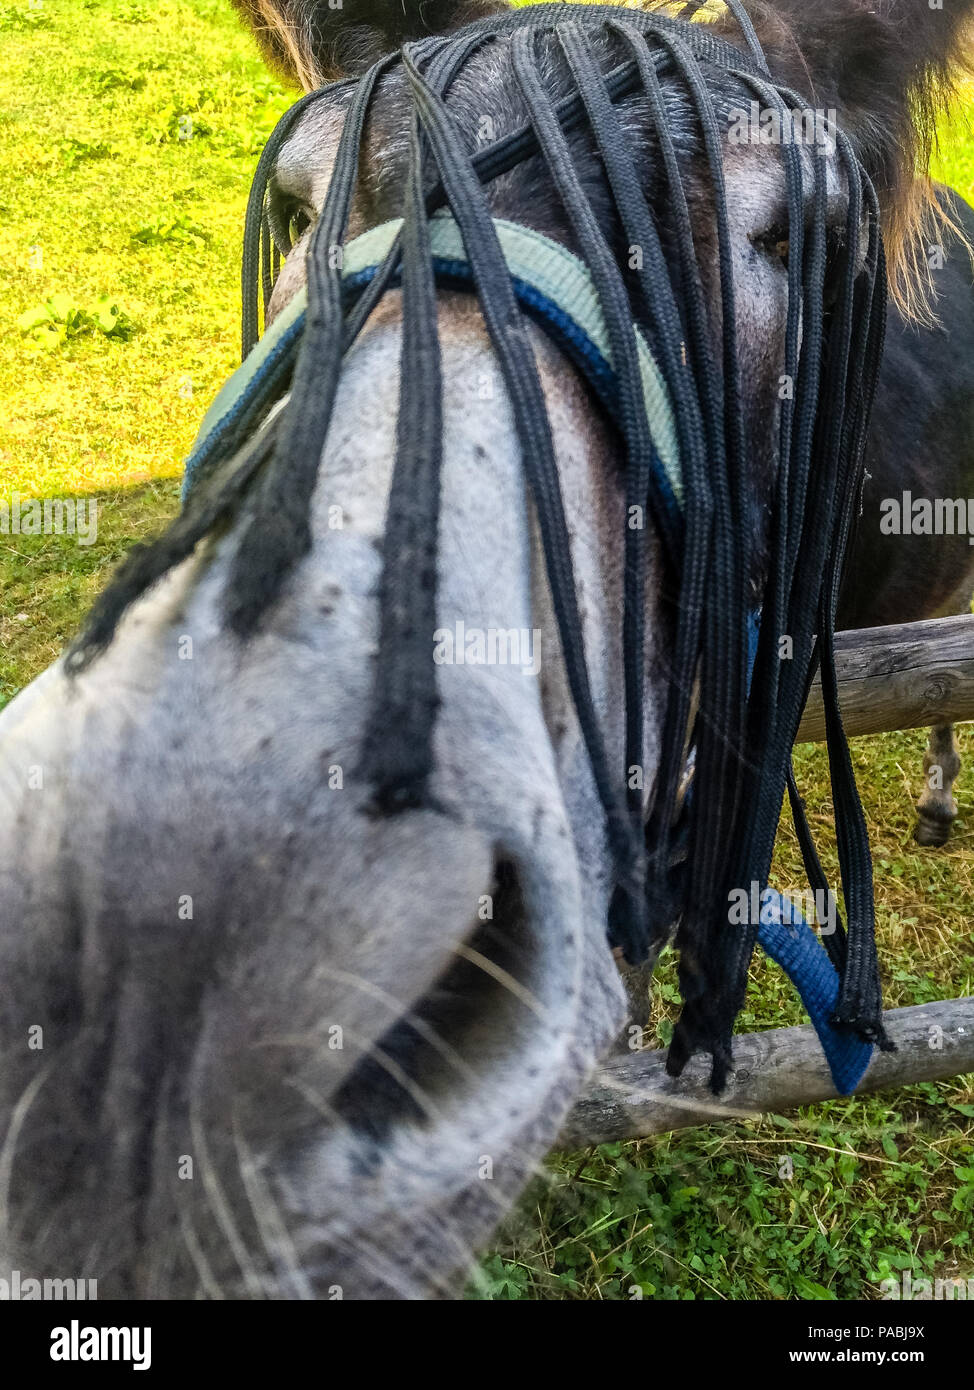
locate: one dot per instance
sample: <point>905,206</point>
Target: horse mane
<point>309,45</point>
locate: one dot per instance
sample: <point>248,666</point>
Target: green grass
<point>93,96</point>
<point>101,197</point>
<point>954,160</point>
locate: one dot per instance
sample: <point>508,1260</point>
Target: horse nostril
<point>408,1075</point>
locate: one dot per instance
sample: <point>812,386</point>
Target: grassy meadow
<point>128,135</point>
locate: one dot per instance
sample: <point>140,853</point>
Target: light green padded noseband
<point>546,268</point>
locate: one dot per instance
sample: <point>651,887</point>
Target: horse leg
<point>937,809</point>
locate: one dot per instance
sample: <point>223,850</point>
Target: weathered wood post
<point>632,1097</point>
<point>902,677</point>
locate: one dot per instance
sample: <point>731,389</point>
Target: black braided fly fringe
<point>742,730</point>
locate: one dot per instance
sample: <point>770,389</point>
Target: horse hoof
<point>930,832</point>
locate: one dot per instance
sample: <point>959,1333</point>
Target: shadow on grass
<point>48,583</point>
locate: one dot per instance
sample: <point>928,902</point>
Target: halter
<point>727,678</point>
<point>551,284</point>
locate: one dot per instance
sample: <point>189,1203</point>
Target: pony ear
<point>884,63</point>
<point>311,42</point>
<point>889,68</point>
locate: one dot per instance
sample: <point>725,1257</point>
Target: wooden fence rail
<point>631,1097</point>
<point>901,677</point>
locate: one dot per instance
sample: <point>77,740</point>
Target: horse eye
<point>774,242</point>
<point>298,223</point>
<point>289,220</point>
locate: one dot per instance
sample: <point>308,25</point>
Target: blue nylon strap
<point>786,937</point>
